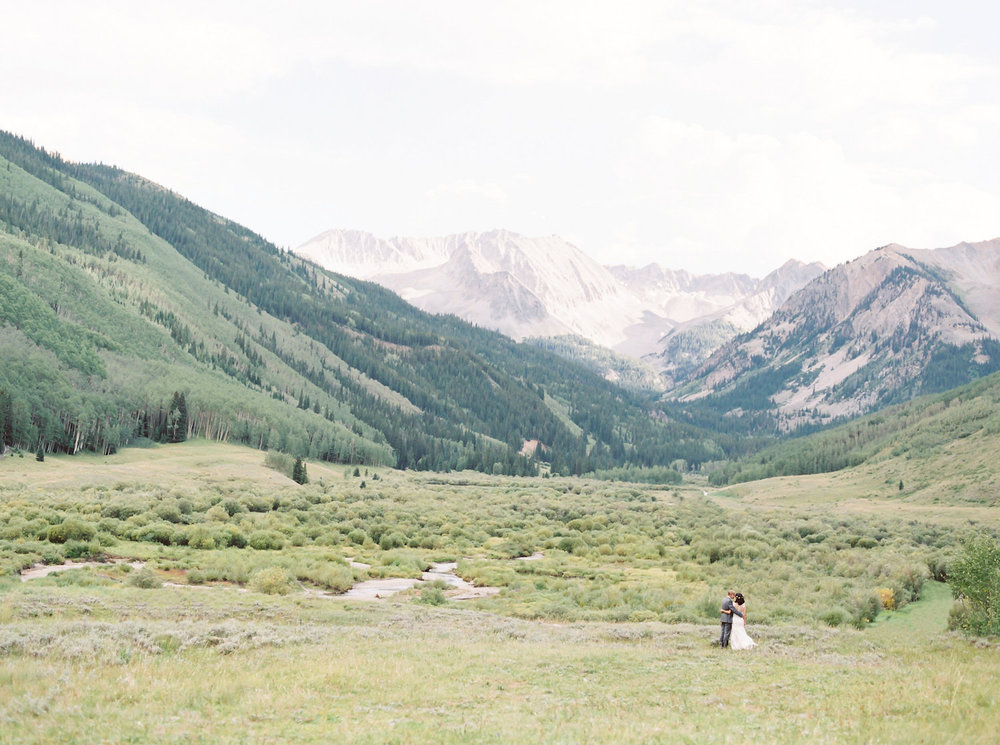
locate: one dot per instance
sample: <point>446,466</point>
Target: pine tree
<point>177,419</point>
<point>6,419</point>
<point>40,455</point>
<point>299,472</point>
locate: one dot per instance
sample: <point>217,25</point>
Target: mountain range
<point>546,287</point>
<point>802,346</point>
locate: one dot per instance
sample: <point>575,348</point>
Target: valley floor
<point>175,665</point>
<point>602,631</point>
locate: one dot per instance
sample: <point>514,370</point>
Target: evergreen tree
<point>299,472</point>
<point>177,419</point>
<point>40,455</point>
<point>6,420</point>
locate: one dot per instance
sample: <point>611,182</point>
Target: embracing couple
<point>734,629</point>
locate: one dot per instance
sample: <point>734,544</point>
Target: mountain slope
<point>118,293</point>
<point>709,310</point>
<point>922,450</point>
<point>883,328</point>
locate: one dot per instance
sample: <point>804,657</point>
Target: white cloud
<point>467,188</point>
<point>705,136</point>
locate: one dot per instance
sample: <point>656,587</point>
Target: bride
<point>740,640</point>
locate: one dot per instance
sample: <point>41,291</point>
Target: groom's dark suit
<point>728,609</point>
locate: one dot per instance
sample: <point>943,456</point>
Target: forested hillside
<point>933,434</point>
<point>127,311</point>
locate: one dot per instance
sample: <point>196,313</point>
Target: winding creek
<point>372,589</point>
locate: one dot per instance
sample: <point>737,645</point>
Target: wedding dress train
<point>740,639</point>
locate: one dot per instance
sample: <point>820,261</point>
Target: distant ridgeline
<point>119,299</point>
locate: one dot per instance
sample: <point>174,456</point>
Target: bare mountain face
<point>546,287</point>
<point>892,324</point>
<point>519,286</point>
<point>707,311</point>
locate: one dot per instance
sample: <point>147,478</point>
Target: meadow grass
<point>604,636</point>
<point>181,666</point>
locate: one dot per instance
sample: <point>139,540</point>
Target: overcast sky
<point>722,136</point>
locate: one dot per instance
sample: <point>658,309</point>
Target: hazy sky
<point>708,136</point>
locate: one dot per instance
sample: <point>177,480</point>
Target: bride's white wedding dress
<point>740,639</point>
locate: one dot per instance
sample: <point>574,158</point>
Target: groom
<point>728,609</point>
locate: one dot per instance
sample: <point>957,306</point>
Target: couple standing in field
<point>734,629</point>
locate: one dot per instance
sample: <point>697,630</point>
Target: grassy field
<point>605,637</point>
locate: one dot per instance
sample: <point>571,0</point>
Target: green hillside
<point>940,447</point>
<point>117,294</point>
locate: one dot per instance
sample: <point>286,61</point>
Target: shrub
<point>336,577</point>
<point>53,556</point>
<point>229,535</point>
<point>887,597</point>
<point>709,607</point>
<point>392,540</point>
<point>834,617</point>
<point>71,530</point>
<point>169,512</point>
<point>161,532</point>
<point>281,462</point>
<point>975,581</point>
<point>120,510</point>
<point>144,578</point>
<point>432,595</point>
<point>232,507</point>
<point>938,568</point>
<point>200,536</point>
<point>271,581</point>
<point>264,540</point>
<point>867,608</point>
<point>82,549</point>
<point>357,536</point>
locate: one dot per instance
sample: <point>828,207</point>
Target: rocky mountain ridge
<point>890,325</point>
<point>546,287</point>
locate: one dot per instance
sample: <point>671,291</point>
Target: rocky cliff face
<point>726,306</point>
<point>892,324</point>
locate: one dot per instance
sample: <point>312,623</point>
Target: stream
<point>372,589</point>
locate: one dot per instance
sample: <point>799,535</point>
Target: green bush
<point>169,512</point>
<point>335,577</point>
<point>834,617</point>
<point>159,532</point>
<point>357,536</point>
<point>144,578</point>
<point>53,556</point>
<point>82,549</point>
<point>200,536</point>
<point>392,540</point>
<point>431,595</point>
<point>867,607</point>
<point>267,540</point>
<point>975,582</point>
<point>710,606</point>
<point>271,581</point>
<point>230,535</point>
<point>71,530</point>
